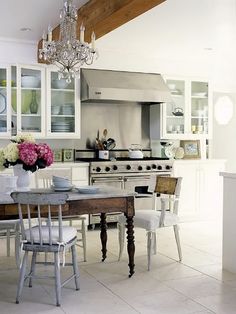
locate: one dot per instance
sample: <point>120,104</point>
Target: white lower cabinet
<point>202,188</point>
<point>79,172</point>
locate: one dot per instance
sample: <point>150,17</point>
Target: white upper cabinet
<point>5,98</point>
<point>33,100</point>
<point>188,116</point>
<point>63,106</point>
<point>28,100</point>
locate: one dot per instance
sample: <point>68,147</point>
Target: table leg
<point>130,244</point>
<point>103,236</point>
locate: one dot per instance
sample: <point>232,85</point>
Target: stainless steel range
<point>129,174</point>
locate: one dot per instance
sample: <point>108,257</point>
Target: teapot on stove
<point>135,151</point>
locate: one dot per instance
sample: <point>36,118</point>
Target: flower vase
<point>23,180</point>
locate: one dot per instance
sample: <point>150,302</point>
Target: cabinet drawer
<point>80,182</point>
<point>80,174</point>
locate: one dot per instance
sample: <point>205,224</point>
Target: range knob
<point>107,169</point>
<point>148,168</point>
<point>98,169</point>
<point>168,167</point>
<point>115,167</point>
<point>159,167</point>
<point>154,166</point>
<point>128,167</point>
<point>140,168</point>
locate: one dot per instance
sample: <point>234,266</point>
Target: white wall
<point>17,51</point>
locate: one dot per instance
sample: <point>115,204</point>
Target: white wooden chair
<point>167,190</point>
<point>44,179</point>
<point>7,228</point>
<point>45,238</point>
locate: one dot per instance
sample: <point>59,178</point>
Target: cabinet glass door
<point>199,108</point>
<point>62,105</point>
<point>5,128</point>
<point>175,111</point>
<point>28,99</point>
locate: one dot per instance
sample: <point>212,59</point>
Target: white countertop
<point>199,160</point>
<point>70,164</point>
<point>228,175</point>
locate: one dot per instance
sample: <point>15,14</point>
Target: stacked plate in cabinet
<point>67,109</point>
<point>61,126</point>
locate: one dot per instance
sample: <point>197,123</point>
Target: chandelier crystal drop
<point>68,53</point>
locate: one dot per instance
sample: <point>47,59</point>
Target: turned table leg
<point>130,244</point>
<point>103,236</point>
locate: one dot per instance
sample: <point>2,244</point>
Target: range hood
<point>121,86</point>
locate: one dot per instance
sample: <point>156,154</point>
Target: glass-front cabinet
<point>33,100</point>
<point>28,100</point>
<point>175,112</point>
<point>5,88</point>
<point>63,107</point>
<point>188,115</point>
<point>199,108</point>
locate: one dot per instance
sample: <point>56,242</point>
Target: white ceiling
<point>174,23</point>
<point>190,30</point>
<point>33,14</point>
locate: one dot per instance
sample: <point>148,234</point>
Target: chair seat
<point>8,224</point>
<point>149,219</point>
<point>69,233</point>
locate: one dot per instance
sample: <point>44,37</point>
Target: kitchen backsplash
<point>127,124</point>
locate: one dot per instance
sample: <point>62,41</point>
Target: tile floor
<point>197,285</point>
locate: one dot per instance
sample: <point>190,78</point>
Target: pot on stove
<point>135,151</point>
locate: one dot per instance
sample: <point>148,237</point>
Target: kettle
<point>135,151</point>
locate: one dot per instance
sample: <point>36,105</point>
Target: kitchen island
<point>229,221</point>
<point>106,200</point>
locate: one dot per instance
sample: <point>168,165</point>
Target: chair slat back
<point>40,204</point>
<point>43,177</point>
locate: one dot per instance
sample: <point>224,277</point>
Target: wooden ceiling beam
<point>103,16</point>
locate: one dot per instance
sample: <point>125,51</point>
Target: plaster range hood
<point>121,86</point>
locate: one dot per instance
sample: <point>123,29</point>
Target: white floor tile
<point>198,285</point>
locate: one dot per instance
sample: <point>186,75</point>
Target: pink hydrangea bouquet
<point>23,150</point>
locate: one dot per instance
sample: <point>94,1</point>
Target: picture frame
<point>191,149</point>
<point>68,155</point>
<point>57,155</point>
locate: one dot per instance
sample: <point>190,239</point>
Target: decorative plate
<point>170,151</point>
<point>3,103</point>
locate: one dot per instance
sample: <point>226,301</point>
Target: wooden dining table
<point>106,200</point>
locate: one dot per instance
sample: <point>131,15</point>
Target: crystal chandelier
<point>68,53</point>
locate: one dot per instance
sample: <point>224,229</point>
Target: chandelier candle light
<point>68,53</point>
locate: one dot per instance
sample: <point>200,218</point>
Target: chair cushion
<point>68,233</point>
<point>149,219</point>
<point>8,224</point>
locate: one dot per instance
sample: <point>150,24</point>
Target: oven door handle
<point>138,178</point>
<point>107,179</point>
